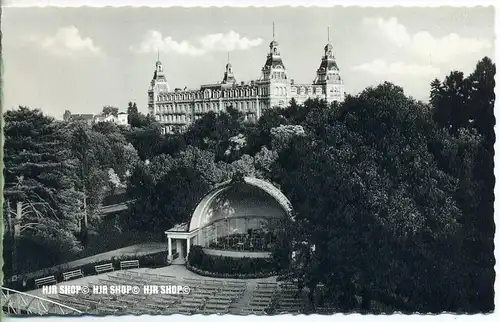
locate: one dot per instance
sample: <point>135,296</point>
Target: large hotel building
<point>179,108</point>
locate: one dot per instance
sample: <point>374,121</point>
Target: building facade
<point>120,119</point>
<point>179,108</point>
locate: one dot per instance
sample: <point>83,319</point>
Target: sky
<point>81,59</point>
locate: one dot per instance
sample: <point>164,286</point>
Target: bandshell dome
<point>251,197</point>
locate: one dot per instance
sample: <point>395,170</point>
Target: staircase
<point>236,307</point>
<point>18,303</point>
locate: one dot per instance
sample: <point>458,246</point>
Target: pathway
<point>135,250</point>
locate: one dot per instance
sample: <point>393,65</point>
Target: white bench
<point>129,264</point>
<point>104,268</point>
<point>45,280</point>
<point>72,274</point>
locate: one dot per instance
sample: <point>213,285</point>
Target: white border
<point>306,3</point>
<point>245,3</point>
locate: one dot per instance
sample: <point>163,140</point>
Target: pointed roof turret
<point>274,57</point>
<point>328,70</point>
<point>159,80</point>
<point>329,46</point>
<point>228,73</point>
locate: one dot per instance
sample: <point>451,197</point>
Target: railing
<point>18,303</point>
<point>104,210</point>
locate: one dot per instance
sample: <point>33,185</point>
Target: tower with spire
<point>274,75</point>
<point>228,73</point>
<point>158,85</point>
<point>328,75</point>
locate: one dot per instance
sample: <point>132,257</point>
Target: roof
<point>328,64</point>
<point>198,214</point>
<point>182,227</point>
<point>82,116</point>
<point>273,61</point>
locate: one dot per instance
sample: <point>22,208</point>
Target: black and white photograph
<point>247,160</point>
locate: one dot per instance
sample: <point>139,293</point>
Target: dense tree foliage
<point>58,174</point>
<point>110,110</point>
<point>393,198</point>
<point>41,203</point>
<point>472,112</point>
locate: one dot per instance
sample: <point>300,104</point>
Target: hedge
<point>229,267</point>
<point>226,275</point>
<point>154,260</point>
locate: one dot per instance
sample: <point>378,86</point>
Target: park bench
<point>172,310</point>
<point>255,311</point>
<point>216,302</point>
<point>45,280</point>
<point>236,284</point>
<point>104,268</point>
<point>194,280</point>
<point>210,311</point>
<point>107,311</point>
<point>167,277</point>
<point>72,274</point>
<point>215,309</point>
<point>266,285</point>
<point>148,275</point>
<point>182,310</point>
<point>129,264</point>
<point>226,297</point>
<point>135,312</point>
<point>261,300</point>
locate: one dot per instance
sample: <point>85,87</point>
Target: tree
<point>214,133</point>
<point>364,184</point>
<point>98,149</point>
<point>40,184</point>
<point>163,196</point>
<point>67,115</point>
<point>147,140</point>
<point>473,107</point>
<point>136,119</point>
<point>264,162</point>
<point>110,110</point>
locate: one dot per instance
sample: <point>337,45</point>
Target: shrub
<point>229,266</point>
